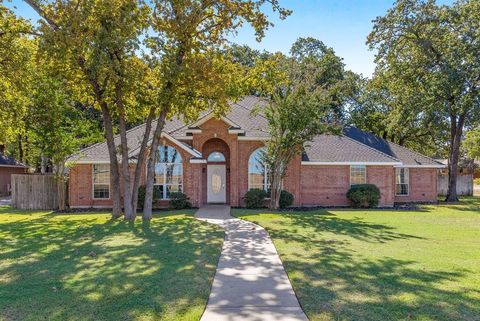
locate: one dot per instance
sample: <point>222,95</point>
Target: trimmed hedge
<point>286,199</point>
<point>254,198</point>
<point>179,201</point>
<point>364,195</point>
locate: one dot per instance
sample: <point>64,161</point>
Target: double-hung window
<point>101,181</point>
<point>358,174</point>
<point>168,172</point>
<point>402,181</point>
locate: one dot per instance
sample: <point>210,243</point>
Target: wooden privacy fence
<point>34,191</point>
<point>464,184</point>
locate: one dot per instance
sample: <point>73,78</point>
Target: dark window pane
<point>173,188</point>
<point>158,192</point>
<point>101,191</point>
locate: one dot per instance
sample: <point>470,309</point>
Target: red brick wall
<point>324,185</point>
<point>383,178</point>
<point>5,177</point>
<point>328,185</point>
<point>291,182</point>
<point>423,186</point>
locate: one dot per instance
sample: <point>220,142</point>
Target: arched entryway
<point>216,178</point>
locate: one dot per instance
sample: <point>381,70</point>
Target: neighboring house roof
<point>403,154</point>
<point>354,146</point>
<point>7,161</point>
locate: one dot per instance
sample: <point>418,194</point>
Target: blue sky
<point>341,24</point>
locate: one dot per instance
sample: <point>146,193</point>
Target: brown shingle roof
<point>341,149</point>
<point>355,146</point>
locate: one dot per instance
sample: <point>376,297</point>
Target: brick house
<point>217,160</point>
<point>8,166</point>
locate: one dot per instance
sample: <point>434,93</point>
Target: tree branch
<point>35,6</point>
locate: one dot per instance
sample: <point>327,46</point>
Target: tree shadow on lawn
<point>324,221</point>
<point>336,281</point>
<point>91,269</point>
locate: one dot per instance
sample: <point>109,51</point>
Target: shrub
<point>254,198</point>
<point>141,195</point>
<point>286,199</point>
<point>179,201</point>
<point>363,195</point>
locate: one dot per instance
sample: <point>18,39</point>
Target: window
<point>358,174</point>
<point>258,171</point>
<point>401,181</point>
<point>168,172</point>
<point>101,181</point>
<point>216,157</point>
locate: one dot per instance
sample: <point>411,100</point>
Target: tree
<point>94,44</point>
<point>190,67</point>
<point>57,127</point>
<point>246,56</point>
<point>312,85</point>
<point>430,53</point>
<point>472,143</point>
<point>397,117</point>
<point>16,63</point>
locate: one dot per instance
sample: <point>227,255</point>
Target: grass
<point>88,267</point>
<point>381,264</point>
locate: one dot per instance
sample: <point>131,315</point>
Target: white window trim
<point>350,174</point>
<point>265,173</point>
<point>93,183</point>
<point>164,196</point>
<point>408,185</point>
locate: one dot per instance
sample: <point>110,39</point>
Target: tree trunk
<point>115,194</point>
<point>114,170</point>
<point>165,106</point>
<point>147,206</point>
<point>43,164</point>
<point>456,130</point>
<point>141,159</point>
<point>61,194</point>
<point>278,172</point>
<point>20,148</point>
<point>59,172</point>
<point>127,188</point>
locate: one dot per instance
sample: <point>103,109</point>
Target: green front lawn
<point>381,264</point>
<point>87,267</point>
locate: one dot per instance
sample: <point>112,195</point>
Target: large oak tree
<point>429,54</point>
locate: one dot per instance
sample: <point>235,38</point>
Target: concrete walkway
<point>250,283</point>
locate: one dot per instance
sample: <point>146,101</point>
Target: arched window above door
<point>216,157</point>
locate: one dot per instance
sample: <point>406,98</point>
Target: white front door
<point>216,184</point>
